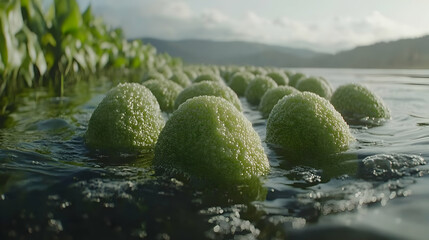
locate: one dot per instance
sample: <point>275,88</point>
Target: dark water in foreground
<point>52,187</point>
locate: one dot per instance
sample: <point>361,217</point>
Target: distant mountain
<point>236,52</point>
<point>405,53</point>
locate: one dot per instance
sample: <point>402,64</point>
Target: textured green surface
<point>153,75</point>
<point>319,86</point>
<point>208,138</point>
<point>272,96</point>
<point>208,77</point>
<point>208,88</point>
<point>181,78</point>
<point>257,88</point>
<point>293,80</point>
<point>356,101</point>
<point>128,119</point>
<point>239,82</point>
<point>306,124</point>
<point>279,77</point>
<point>165,92</point>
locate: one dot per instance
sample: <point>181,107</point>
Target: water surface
<point>52,186</point>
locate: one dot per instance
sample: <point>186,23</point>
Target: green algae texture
<point>319,86</point>
<point>181,78</point>
<point>239,82</point>
<point>357,101</point>
<point>127,120</point>
<point>257,88</point>
<point>153,75</point>
<point>306,124</point>
<point>208,77</point>
<point>294,79</point>
<point>279,77</point>
<point>208,88</point>
<point>165,92</point>
<point>272,96</point>
<point>207,138</point>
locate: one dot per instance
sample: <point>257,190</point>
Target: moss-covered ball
<point>294,79</point>
<point>181,78</point>
<point>190,73</point>
<point>272,96</point>
<point>289,74</point>
<point>128,119</point>
<point>306,124</point>
<point>356,101</point>
<point>153,75</point>
<point>165,92</point>
<point>257,71</point>
<point>279,77</point>
<point>166,71</point>
<point>208,88</point>
<point>315,85</point>
<point>208,77</point>
<point>207,138</point>
<point>239,82</point>
<point>257,88</point>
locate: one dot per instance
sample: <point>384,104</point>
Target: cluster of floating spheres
<point>206,135</point>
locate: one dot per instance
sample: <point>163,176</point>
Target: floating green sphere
<point>181,78</point>
<point>257,88</point>
<point>128,119</point>
<point>272,96</point>
<point>315,85</point>
<point>257,71</point>
<point>306,124</point>
<point>239,82</point>
<point>279,77</point>
<point>190,73</point>
<point>356,101</point>
<point>207,138</point>
<point>208,77</point>
<point>165,92</point>
<point>294,79</point>
<point>166,71</point>
<point>288,73</point>
<point>208,88</point>
<point>153,75</point>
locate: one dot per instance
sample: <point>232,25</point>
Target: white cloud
<point>169,19</point>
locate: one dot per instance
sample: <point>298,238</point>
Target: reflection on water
<point>51,186</point>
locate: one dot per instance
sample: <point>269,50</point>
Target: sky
<point>321,25</point>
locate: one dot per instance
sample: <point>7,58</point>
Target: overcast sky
<point>322,25</point>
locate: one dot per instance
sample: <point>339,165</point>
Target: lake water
<point>52,187</point>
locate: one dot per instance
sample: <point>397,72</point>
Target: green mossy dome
<point>165,92</point>
<point>272,96</point>
<point>128,119</point>
<point>306,124</point>
<point>294,79</point>
<point>257,88</point>
<point>356,101</point>
<point>279,77</point>
<point>212,77</point>
<point>166,71</point>
<point>239,82</point>
<point>208,88</point>
<point>207,138</point>
<point>316,85</point>
<point>181,78</point>
<point>153,75</point>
